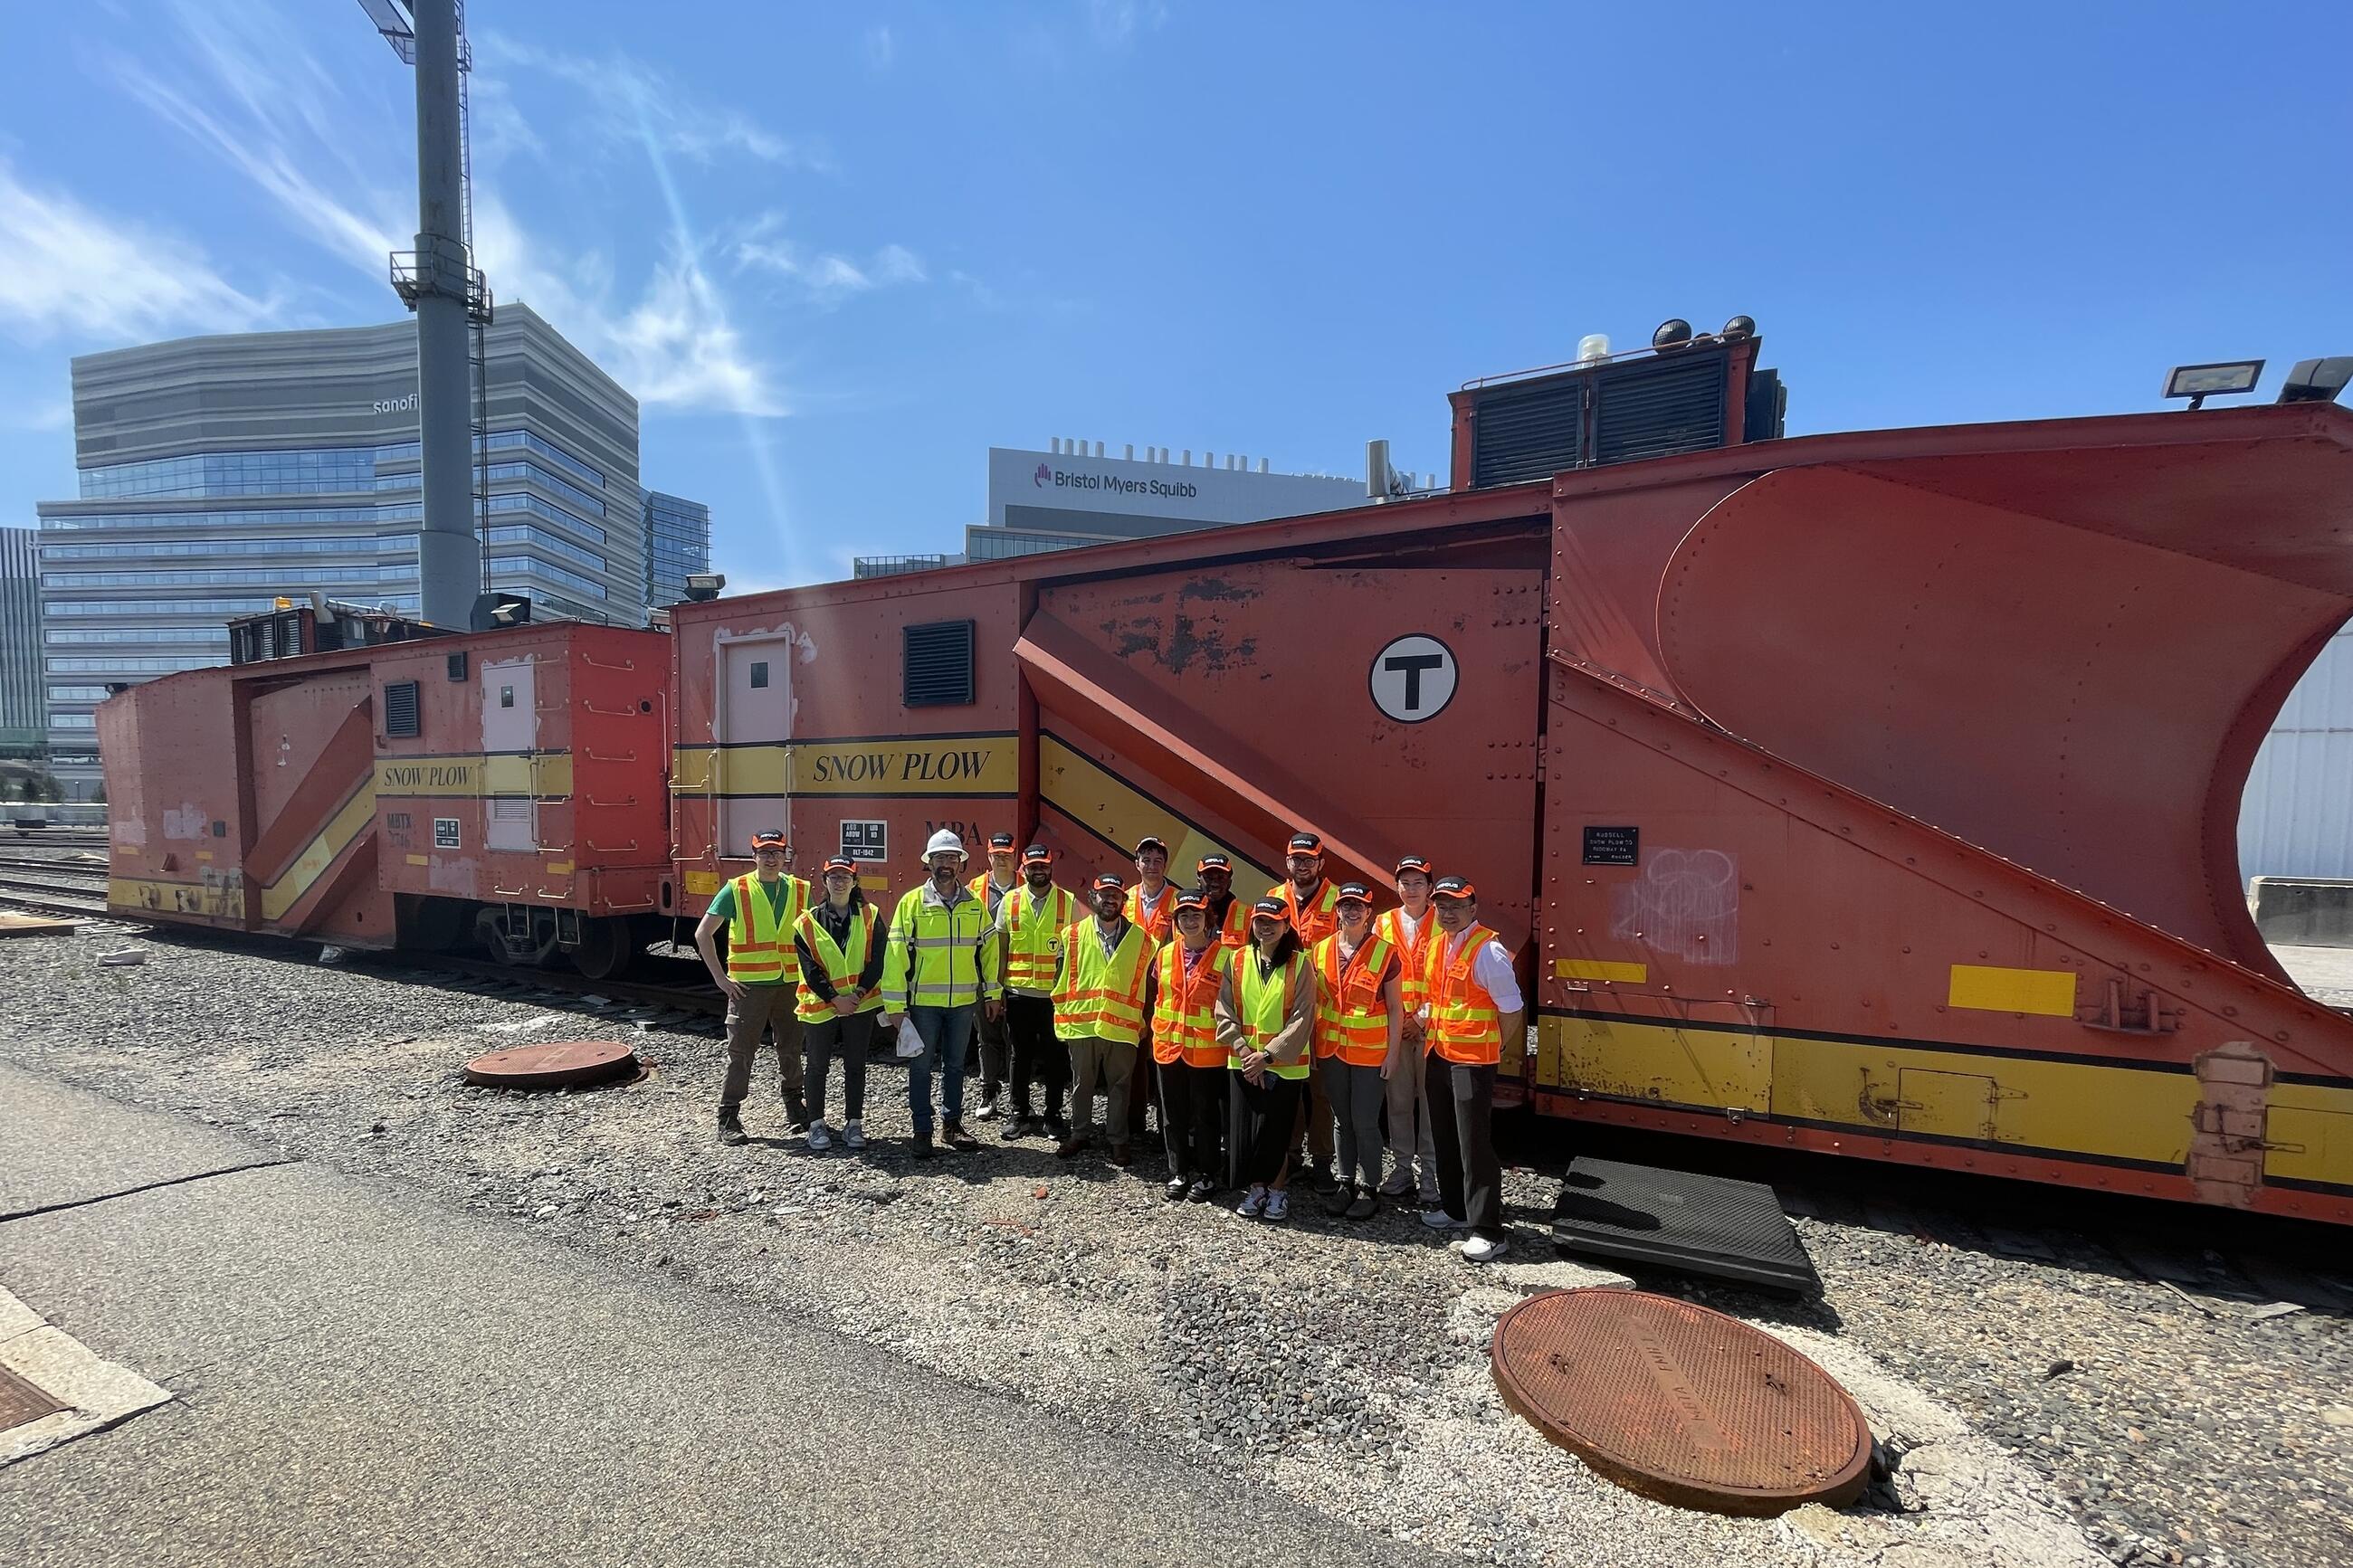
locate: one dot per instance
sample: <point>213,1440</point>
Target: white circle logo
<point>1413,678</point>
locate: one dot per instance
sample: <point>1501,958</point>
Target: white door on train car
<point>510,731</point>
<point>754,721</point>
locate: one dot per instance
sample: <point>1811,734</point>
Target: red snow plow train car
<point>1871,792</point>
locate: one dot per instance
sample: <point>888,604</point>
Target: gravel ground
<point>1346,1364</point>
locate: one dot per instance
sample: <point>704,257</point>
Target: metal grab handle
<point>588,707</point>
<point>564,892</point>
<point>630,848</point>
<point>508,892</point>
<point>600,664</point>
<point>601,757</point>
<point>624,801</point>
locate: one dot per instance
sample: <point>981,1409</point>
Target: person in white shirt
<point>1407,928</point>
<point>1471,1004</point>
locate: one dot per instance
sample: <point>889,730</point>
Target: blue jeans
<point>947,1034</point>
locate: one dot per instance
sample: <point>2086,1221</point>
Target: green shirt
<point>724,907</point>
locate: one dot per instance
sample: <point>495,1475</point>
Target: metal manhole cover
<point>1681,1404</point>
<point>560,1064</point>
<point>21,1402</point>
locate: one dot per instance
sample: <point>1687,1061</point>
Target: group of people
<point>1301,1037</point>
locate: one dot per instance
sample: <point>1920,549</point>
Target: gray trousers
<point>1094,1059</point>
<point>762,1008</point>
<point>1409,1141</point>
<point>1357,1095</point>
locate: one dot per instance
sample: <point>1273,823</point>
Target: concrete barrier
<point>2305,911</point>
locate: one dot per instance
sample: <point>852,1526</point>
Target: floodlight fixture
<point>2226,378</point>
<point>2318,380</point>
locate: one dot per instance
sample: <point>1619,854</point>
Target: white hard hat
<point>946,842</point>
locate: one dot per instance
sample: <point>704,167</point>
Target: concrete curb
<point>98,1392</point>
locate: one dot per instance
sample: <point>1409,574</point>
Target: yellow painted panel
<point>703,884</point>
<point>1708,1069</point>
<point>413,778</point>
<point>559,868</point>
<point>947,764</point>
<point>2310,1130</point>
<point>1600,969</point>
<point>1086,792</point>
<point>2121,1113</point>
<point>212,901</point>
<point>1991,988</point>
<point>203,855</point>
<point>318,855</point>
<point>420,860</point>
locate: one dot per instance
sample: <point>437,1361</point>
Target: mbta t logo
<point>1413,678</point>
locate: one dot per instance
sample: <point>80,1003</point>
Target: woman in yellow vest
<point>1101,995</point>
<point>841,956</point>
<point>1360,1035</point>
<point>1471,1006</point>
<point>1266,1018</point>
<point>1189,974</point>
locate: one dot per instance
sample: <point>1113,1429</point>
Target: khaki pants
<point>1112,1061</point>
<point>762,1008</point>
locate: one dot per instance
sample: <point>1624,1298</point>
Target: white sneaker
<point>853,1134</point>
<point>820,1138</point>
<point>1253,1202</point>
<point>1278,1205</point>
<point>1438,1219</point>
<point>1480,1250</point>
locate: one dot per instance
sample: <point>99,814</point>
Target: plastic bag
<point>911,1044</point>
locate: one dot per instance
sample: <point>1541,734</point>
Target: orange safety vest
<point>1412,955</point>
<point>1352,1015</point>
<point>1465,1026</point>
<point>1102,994</point>
<point>1184,1011</point>
<point>1160,922</point>
<point>1320,918</point>
<point>759,938</point>
<point>1235,931</point>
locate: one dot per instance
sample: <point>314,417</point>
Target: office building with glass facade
<point>678,544</point>
<point>218,473</point>
<point>24,705</point>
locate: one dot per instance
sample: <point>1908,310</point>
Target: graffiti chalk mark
<point>1686,905</point>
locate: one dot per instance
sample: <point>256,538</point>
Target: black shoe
<point>731,1129</point>
<point>1176,1188</point>
<point>1057,1129</point>
<point>1068,1149</point>
<point>1325,1182</point>
<point>1335,1202</point>
<point>1365,1207</point>
<point>987,1110</point>
<point>1201,1191</point>
<point>957,1139</point>
<point>797,1116</point>
<point>922,1150</point>
<point>1018,1127</point>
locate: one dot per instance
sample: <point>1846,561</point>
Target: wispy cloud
<point>74,272</point>
<point>632,101</point>
<point>880,49</point>
<point>824,275</point>
<point>1115,24</point>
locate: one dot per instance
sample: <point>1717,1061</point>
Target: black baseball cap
<point>1037,854</point>
<point>1214,863</point>
<point>771,838</point>
<point>1414,863</point>
<point>1109,883</point>
<point>1304,844</point>
<point>1354,890</point>
<point>1000,841</point>
<point>1454,888</point>
<point>1271,909</point>
<point>1150,841</point>
<point>840,864</point>
<point>1193,899</point>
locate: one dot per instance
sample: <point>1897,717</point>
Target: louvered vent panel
<point>938,672</point>
<point>400,709</point>
<point>1527,435</point>
<point>1660,407</point>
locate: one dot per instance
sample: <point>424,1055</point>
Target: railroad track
<point>49,898</point>
<point>694,998</point>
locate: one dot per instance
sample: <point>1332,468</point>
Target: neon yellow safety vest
<point>1262,1005</point>
<point>1352,1016</point>
<point>1032,925</point>
<point>759,938</point>
<point>936,959</point>
<point>843,964</point>
<point>1102,994</point>
<point>1465,1025</point>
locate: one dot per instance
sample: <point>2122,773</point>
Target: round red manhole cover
<point>560,1064</point>
<point>1681,1404</point>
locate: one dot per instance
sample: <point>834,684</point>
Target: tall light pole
<point>438,282</point>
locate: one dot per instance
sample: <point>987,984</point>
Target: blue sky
<point>838,251</point>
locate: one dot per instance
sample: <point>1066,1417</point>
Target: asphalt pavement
<point>363,1376</point>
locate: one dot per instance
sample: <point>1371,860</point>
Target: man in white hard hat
<point>939,973</point>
